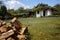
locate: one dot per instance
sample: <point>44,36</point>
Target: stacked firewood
<point>12,30</point>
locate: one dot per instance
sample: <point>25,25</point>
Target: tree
<point>41,7</point>
<point>3,11</point>
<point>57,7</point>
<point>11,11</point>
<point>20,10</point>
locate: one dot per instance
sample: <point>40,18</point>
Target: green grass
<point>43,28</point>
<point>47,28</point>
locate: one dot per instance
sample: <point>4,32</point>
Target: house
<point>43,13</point>
<point>39,13</point>
<point>42,10</point>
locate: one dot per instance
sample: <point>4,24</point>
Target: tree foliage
<point>57,7</point>
<point>11,11</point>
<point>41,7</point>
<point>3,11</point>
<point>20,10</point>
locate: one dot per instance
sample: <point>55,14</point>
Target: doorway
<point>44,13</point>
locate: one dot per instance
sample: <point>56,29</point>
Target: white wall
<point>39,14</point>
<point>48,13</point>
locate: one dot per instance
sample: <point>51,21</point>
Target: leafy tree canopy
<point>41,7</point>
<point>57,7</point>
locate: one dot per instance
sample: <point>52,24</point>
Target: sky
<point>15,4</point>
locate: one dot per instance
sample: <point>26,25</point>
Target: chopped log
<point>23,30</point>
<point>12,31</point>
<point>3,23</point>
<point>16,23</point>
<point>9,26</point>
<point>21,37</point>
<point>7,34</point>
<point>2,39</point>
<point>3,29</point>
<point>10,38</point>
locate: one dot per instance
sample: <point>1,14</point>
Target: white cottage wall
<point>41,13</point>
<point>37,14</point>
<point>48,13</point>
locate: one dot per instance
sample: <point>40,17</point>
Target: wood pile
<point>12,30</point>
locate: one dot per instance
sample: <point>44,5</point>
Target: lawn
<point>47,28</point>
